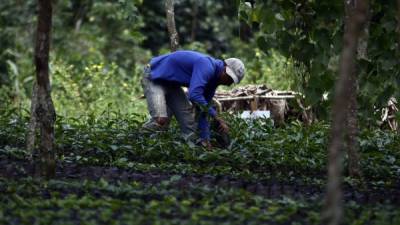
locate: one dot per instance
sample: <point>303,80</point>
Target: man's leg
<point>180,106</point>
<point>156,103</point>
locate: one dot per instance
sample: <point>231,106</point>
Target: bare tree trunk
<point>173,34</point>
<point>352,121</point>
<point>332,214</point>
<point>195,10</point>
<point>43,111</point>
<point>352,130</point>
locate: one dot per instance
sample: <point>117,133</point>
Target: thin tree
<point>42,110</point>
<point>332,213</point>
<point>352,129</point>
<point>352,145</point>
<point>195,11</point>
<point>173,34</point>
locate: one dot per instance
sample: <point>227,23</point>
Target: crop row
<point>257,150</point>
<point>27,201</point>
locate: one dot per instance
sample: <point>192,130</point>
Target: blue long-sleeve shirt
<point>198,72</point>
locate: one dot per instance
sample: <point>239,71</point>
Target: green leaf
<point>262,44</point>
<point>114,147</point>
<point>279,17</point>
<point>13,67</point>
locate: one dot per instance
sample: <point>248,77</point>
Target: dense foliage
<point>310,33</point>
<point>108,167</point>
<point>115,139</point>
<point>287,45</point>
<point>109,171</point>
<point>164,202</point>
<point>100,39</point>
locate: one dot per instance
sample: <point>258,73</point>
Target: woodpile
<point>284,104</point>
<point>255,97</point>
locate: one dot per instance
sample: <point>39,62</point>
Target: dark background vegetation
<point>286,45</point>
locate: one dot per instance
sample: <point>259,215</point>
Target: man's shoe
<point>153,126</point>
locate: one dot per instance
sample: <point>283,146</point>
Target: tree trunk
<point>173,34</point>
<point>352,121</point>
<point>195,10</point>
<point>362,50</point>
<point>333,211</point>
<point>352,130</point>
<point>43,110</point>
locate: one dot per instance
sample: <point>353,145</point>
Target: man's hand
<point>206,144</point>
<point>222,126</point>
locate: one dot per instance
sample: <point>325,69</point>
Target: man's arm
<point>203,72</point>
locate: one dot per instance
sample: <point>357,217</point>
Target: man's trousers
<point>167,100</point>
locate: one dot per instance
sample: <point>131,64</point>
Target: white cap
<point>235,69</point>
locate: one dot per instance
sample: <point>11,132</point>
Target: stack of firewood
<point>283,104</point>
<point>247,90</point>
<point>255,97</point>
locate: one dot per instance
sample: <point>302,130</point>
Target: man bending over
<point>162,84</point>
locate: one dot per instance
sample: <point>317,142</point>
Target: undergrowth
<point>258,155</point>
